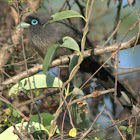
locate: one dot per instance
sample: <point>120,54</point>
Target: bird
<point>43,37</point>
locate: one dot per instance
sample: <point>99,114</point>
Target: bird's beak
<point>23,25</point>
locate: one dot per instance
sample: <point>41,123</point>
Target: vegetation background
<point>104,19</point>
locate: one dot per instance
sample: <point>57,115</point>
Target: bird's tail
<point>107,80</point>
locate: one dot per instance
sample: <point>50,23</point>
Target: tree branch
<point>97,51</point>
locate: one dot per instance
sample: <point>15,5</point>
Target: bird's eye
<point>34,22</point>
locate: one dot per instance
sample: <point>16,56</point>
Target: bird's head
<point>39,36</point>
<point>43,36</point>
<point>35,20</point>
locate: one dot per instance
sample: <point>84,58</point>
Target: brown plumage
<point>42,37</point>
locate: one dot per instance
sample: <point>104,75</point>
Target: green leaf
<point>66,14</point>
<point>73,132</point>
<point>10,106</point>
<point>49,57</point>
<point>37,82</point>
<point>1,103</point>
<point>46,117</point>
<point>77,79</point>
<point>70,43</point>
<point>15,113</point>
<point>32,127</point>
<point>10,1</point>
<point>129,130</point>
<point>19,84</point>
<point>73,62</point>
<point>123,127</point>
<point>137,136</point>
<point>96,138</point>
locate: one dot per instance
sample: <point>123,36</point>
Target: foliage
<point>39,122</point>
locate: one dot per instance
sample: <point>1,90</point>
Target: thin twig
<point>115,125</point>
<point>137,35</point>
<point>112,34</point>
<point>117,18</point>
<point>118,122</point>
<point>117,52</point>
<point>57,62</point>
<point>15,129</point>
<point>60,106</point>
<point>91,127</point>
<point>129,71</point>
<point>63,121</point>
<point>93,95</point>
<point>7,102</point>
<point>86,27</point>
